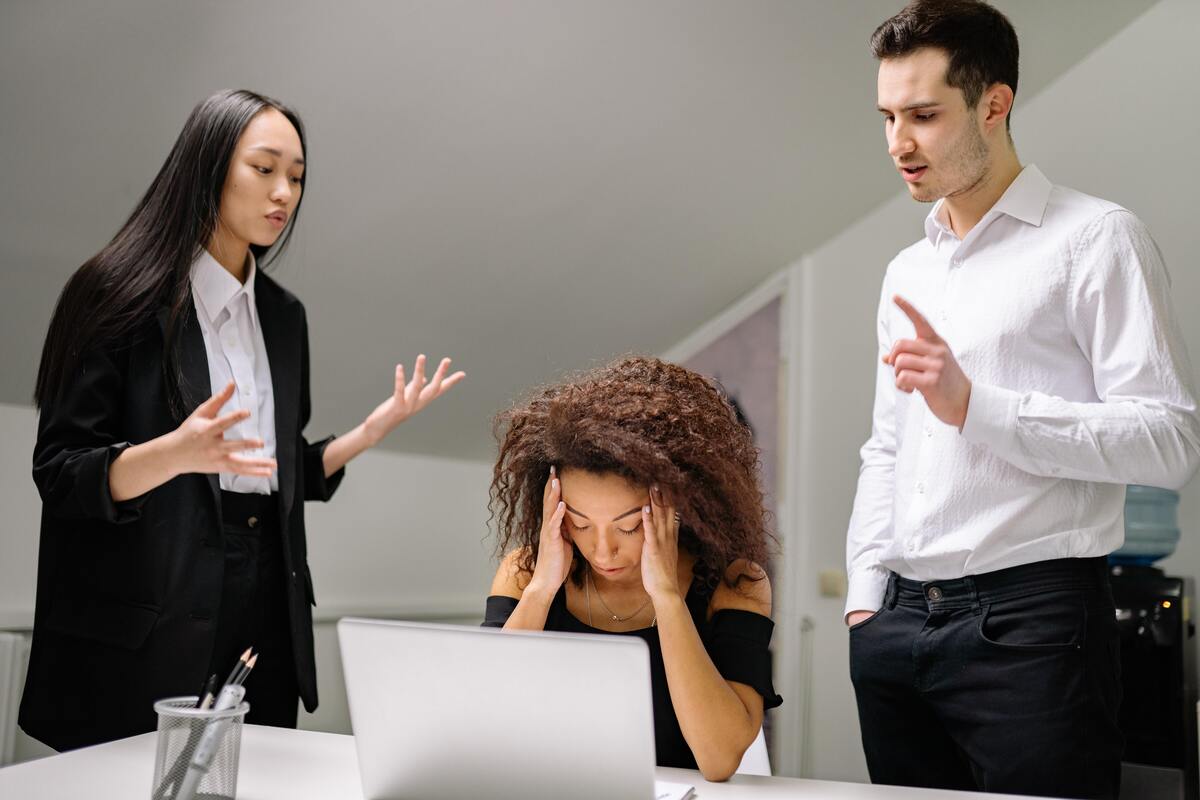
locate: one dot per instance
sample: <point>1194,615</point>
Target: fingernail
<point>645,509</point>
<point>561,505</point>
<point>554,483</point>
<point>551,469</point>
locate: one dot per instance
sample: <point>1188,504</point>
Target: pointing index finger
<point>922,326</point>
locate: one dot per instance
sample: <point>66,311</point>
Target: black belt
<point>1003,584</point>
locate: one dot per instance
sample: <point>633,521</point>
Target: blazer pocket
<point>108,621</point>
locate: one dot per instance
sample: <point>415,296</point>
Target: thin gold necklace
<point>614,617</point>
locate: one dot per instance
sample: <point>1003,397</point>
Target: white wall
<point>405,537</point>
<point>1122,124</point>
<point>22,510</point>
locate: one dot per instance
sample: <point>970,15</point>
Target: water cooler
<point>1158,653</point>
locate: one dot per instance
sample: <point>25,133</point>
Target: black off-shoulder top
<point>737,642</point>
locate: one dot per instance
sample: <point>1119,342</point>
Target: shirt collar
<point>216,288</point>
<point>1025,199</point>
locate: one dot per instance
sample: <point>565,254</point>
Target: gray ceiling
<point>529,187</point>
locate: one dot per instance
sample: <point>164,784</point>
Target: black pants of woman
<point>254,609</point>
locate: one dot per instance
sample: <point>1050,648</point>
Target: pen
<point>205,699</point>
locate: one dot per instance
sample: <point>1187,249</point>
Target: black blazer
<point>127,593</point>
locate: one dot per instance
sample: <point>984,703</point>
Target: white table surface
<point>299,765</point>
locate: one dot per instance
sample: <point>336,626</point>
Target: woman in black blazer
<point>173,394</point>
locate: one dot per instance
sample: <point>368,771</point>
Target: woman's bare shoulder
<point>750,589</point>
<point>511,577</point>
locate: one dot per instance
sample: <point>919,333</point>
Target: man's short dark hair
<point>979,40</point>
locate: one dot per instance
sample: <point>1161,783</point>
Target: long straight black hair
<point>147,265</point>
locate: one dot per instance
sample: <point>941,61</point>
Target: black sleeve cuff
<point>95,472</point>
<point>499,609</point>
<point>738,643</point>
<point>316,485</point>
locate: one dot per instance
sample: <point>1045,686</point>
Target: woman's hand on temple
<point>660,548</point>
<point>409,398</point>
<point>555,553</point>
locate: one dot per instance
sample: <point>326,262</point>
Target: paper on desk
<point>665,790</point>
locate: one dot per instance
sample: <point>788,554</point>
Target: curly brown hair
<point>653,423</point>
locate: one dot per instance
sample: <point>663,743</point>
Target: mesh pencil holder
<point>197,754</point>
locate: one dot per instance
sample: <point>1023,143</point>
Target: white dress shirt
<point>1056,306</point>
<point>233,343</point>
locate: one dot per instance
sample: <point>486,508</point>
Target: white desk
<point>299,765</point>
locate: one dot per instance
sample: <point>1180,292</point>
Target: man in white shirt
<point>1030,367</point>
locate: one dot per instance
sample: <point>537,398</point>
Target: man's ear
<point>995,105</point>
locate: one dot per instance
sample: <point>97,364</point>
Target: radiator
<point>14,655</point>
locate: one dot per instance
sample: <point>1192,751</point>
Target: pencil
<point>245,673</point>
<point>238,666</point>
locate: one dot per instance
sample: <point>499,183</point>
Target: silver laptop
<point>443,711</point>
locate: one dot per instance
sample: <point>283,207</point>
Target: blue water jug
<point>1151,525</point>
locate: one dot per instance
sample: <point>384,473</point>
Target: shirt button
<point>928,431</point>
<point>934,594</point>
<point>252,522</point>
<point>920,488</point>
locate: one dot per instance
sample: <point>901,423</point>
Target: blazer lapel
<point>281,335</point>
<point>195,387</point>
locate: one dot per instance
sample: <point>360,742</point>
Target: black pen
<point>205,699</point>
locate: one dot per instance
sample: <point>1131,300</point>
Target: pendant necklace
<point>611,615</point>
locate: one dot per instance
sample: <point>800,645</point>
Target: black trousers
<point>1007,681</point>
<point>254,610</point>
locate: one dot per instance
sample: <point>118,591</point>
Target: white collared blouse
<point>236,351</point>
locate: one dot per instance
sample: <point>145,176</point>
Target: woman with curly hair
<point>628,503</point>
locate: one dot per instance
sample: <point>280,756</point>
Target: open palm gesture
<point>409,397</point>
